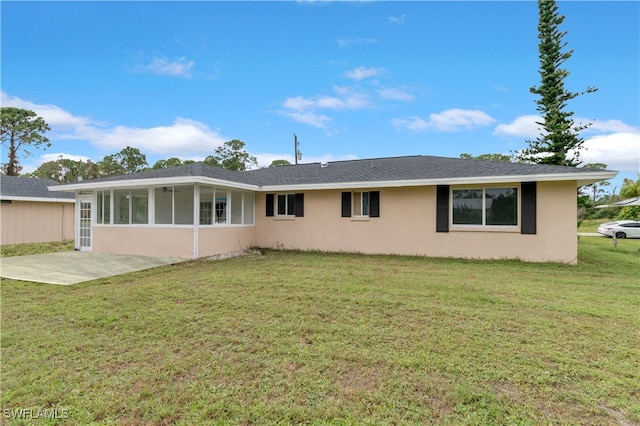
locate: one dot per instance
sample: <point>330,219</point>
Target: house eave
<point>38,199</point>
<point>131,183</point>
<point>583,178</point>
<point>580,178</point>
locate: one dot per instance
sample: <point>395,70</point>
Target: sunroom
<point>187,220</point>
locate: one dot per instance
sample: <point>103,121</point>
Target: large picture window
<point>485,206</point>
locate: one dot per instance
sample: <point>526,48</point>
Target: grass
<point>316,338</point>
<point>8,250</point>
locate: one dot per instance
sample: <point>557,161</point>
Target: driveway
<point>72,267</point>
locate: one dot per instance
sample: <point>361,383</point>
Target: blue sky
<point>350,79</point>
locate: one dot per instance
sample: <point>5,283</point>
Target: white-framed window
<point>140,206</point>
<point>163,205</point>
<point>285,204</point>
<point>360,203</point>
<point>490,206</point>
<point>206,212</point>
<point>103,209</point>
<point>173,205</point>
<point>220,205</point>
<point>121,206</point>
<point>223,206</point>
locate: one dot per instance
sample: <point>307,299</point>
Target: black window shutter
<point>269,202</point>
<point>346,204</point>
<point>374,203</point>
<point>442,208</point>
<point>528,215</point>
<point>299,209</point>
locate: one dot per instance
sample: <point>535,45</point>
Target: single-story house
<point>414,205</point>
<point>30,213</point>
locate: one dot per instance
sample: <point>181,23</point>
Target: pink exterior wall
<point>144,241</point>
<point>35,222</point>
<point>219,240</point>
<point>407,226</point>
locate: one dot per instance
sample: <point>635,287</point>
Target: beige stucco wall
<point>407,226</point>
<point>34,222</point>
<point>228,239</point>
<point>145,241</point>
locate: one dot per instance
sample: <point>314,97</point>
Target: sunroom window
<point>104,207</point>
<point>485,206</point>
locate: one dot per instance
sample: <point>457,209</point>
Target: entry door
<point>84,227</point>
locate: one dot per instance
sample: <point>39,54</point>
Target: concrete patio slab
<point>74,267</point>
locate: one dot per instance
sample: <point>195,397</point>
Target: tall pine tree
<point>559,142</point>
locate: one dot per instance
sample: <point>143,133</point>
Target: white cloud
<point>346,99</point>
<point>395,95</point>
<point>397,19</point>
<point>183,136</point>
<point>53,115</point>
<point>160,65</point>
<point>415,124</point>
<point>349,42</point>
<point>524,126</point>
<point>58,155</point>
<point>310,118</point>
<point>304,110</point>
<point>605,126</point>
<point>619,151</point>
<point>450,120</point>
<point>361,73</point>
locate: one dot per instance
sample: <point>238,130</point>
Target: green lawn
<point>8,250</point>
<point>315,338</point>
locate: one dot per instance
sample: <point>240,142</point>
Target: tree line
<point>232,155</point>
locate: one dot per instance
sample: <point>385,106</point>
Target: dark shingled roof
<point>400,168</point>
<point>193,169</point>
<point>17,186</point>
<point>368,170</point>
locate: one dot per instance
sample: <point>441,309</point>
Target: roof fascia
<point>39,199</point>
<point>580,178</point>
<point>129,183</point>
<point>584,178</point>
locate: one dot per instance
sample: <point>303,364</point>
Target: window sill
<point>484,228</point>
<point>359,218</point>
<point>284,218</point>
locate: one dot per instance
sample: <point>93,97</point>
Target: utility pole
<point>297,154</point>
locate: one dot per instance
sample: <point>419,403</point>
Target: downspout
<point>196,221</point>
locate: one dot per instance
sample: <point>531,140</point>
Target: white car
<point>620,229</point>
